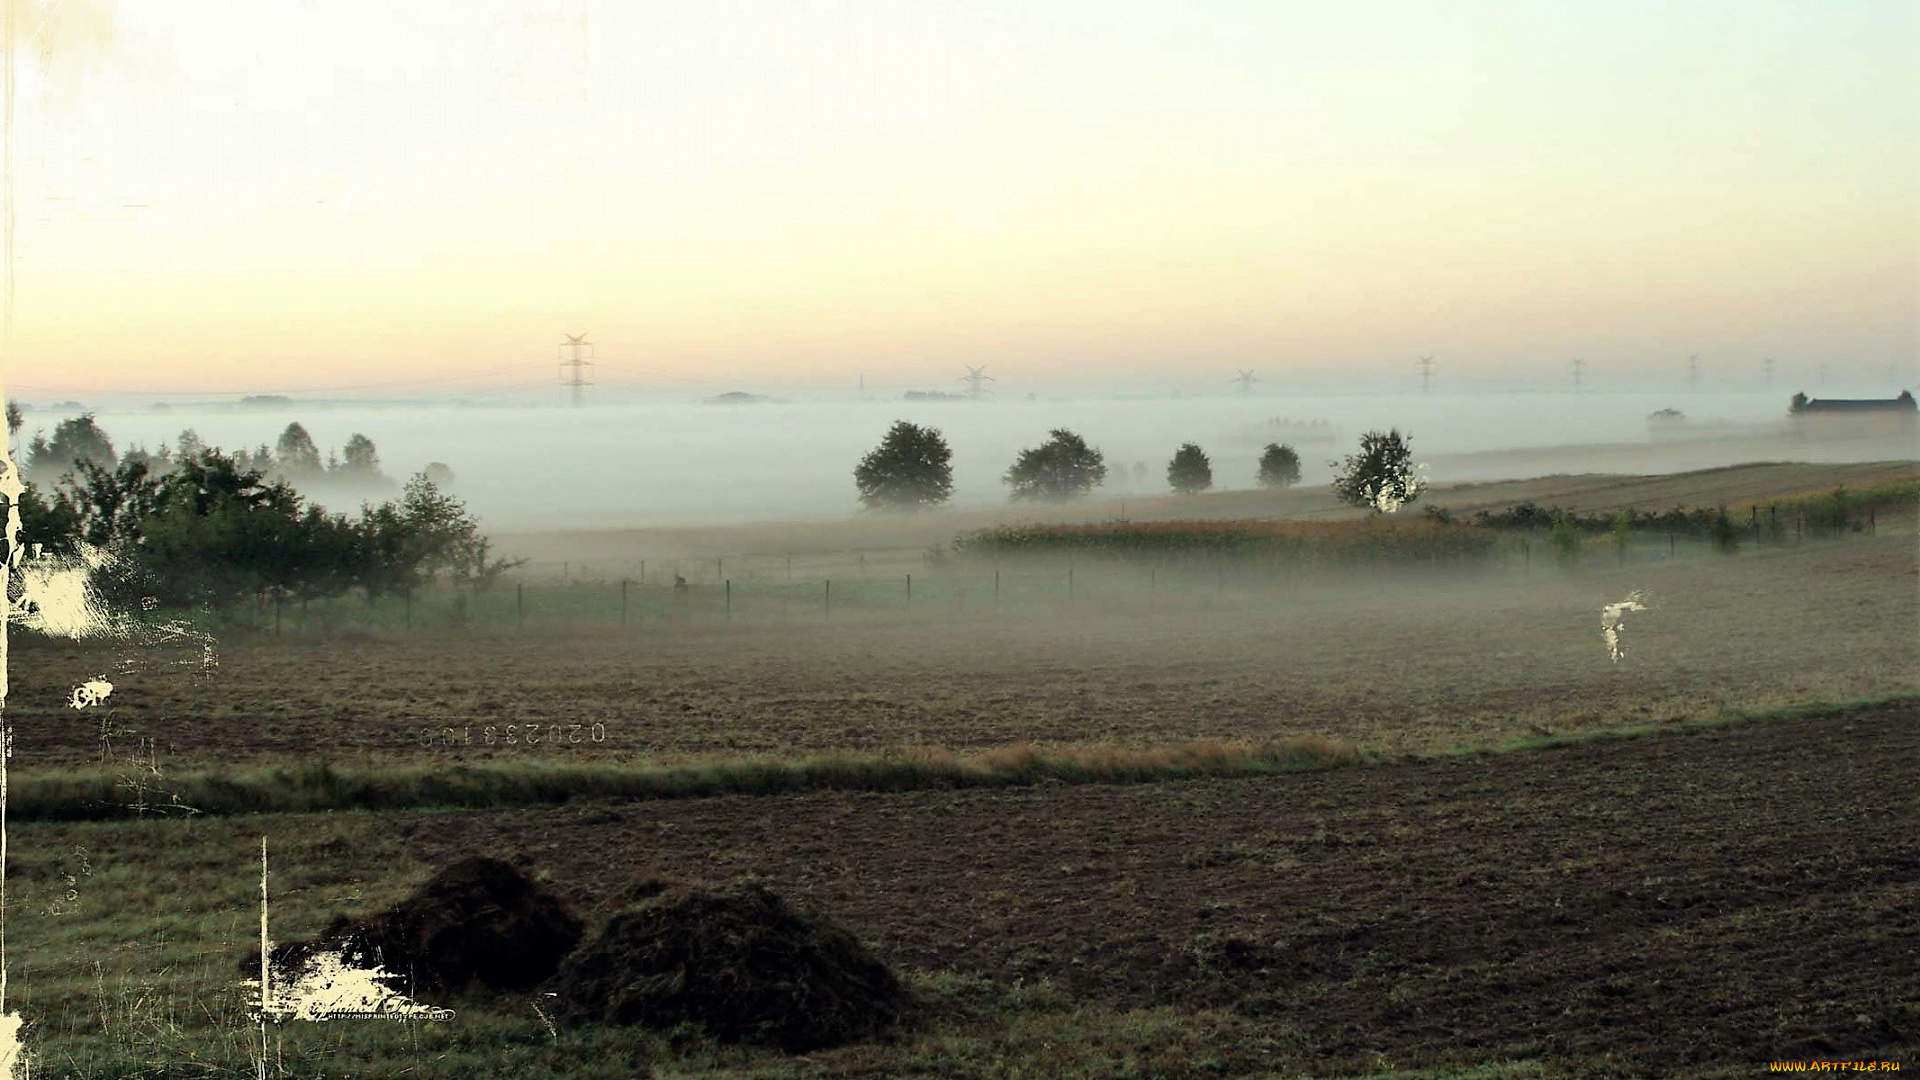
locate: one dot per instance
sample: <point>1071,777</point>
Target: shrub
<point>1381,475</point>
<point>1565,538</point>
<point>1725,535</point>
<point>1297,541</point>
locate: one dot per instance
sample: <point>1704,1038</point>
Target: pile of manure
<point>738,961</point>
<point>478,922</point>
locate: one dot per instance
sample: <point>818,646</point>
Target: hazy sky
<point>267,194</point>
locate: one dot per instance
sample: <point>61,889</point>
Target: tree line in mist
<point>294,457</point>
<point>912,470</point>
<point>199,526</point>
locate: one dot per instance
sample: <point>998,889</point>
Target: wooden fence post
<point>623,601</point>
<point>826,601</point>
<point>729,587</point>
<point>519,604</point>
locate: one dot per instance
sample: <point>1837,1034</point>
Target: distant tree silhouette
<point>1064,467</point>
<point>297,456</point>
<point>910,470</point>
<point>1279,466</point>
<point>362,460</point>
<point>1189,472</point>
<point>75,441</point>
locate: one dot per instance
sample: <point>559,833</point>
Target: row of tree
<point>912,469</point>
<point>294,457</point>
<point>209,529</point>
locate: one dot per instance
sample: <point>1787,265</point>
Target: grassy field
<point>1396,664</point>
<point>1224,818</point>
<point>1684,904</point>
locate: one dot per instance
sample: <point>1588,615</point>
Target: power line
<point>433,380</point>
<point>652,372</point>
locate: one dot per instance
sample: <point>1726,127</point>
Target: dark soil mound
<point>479,922</point>
<point>738,961</point>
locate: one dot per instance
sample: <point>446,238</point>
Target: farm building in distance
<point>1803,405</point>
<point>1855,416</point>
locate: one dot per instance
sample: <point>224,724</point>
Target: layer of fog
<point>685,462</point>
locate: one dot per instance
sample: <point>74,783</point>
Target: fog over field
<point>669,461</point>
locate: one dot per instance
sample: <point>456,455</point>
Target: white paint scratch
<point>1613,619</point>
<point>329,987</point>
<point>1388,494</point>
<point>92,692</point>
<point>60,597</point>
<point>13,1059</point>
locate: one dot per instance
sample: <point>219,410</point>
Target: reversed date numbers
<point>516,735</point>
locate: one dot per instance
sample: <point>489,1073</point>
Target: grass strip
<point>78,795</point>
<point>81,795</point>
<point>1728,718</point>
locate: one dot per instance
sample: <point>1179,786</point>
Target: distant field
<point>884,541</point>
<point>1410,662</point>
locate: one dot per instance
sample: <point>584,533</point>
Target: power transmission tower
<point>575,364</point>
<point>1768,364</point>
<point>1425,364</point>
<point>1579,369</point>
<point>974,378</point>
<point>1693,372</point>
<point>1823,374</point>
<point>1246,381</point>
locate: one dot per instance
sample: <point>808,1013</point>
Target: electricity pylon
<point>975,378</point>
<point>571,358</point>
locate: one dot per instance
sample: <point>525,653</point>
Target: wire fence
<point>821,588</point>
